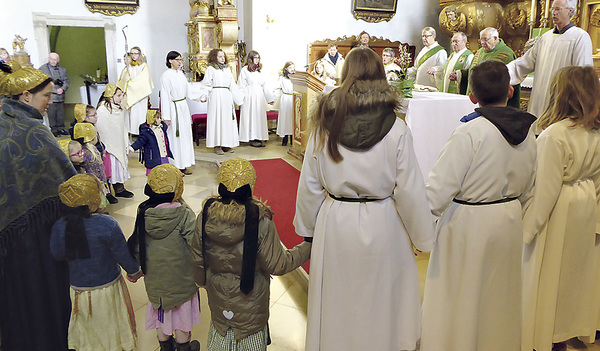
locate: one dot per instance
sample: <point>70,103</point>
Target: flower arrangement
<point>398,78</point>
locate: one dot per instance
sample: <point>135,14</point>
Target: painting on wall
<point>374,10</point>
<point>113,7</point>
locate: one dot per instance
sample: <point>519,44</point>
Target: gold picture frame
<point>113,7</point>
<point>374,10</point>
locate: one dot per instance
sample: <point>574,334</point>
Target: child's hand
<point>130,149</point>
<point>203,98</point>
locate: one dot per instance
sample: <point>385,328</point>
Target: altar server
<point>482,178</point>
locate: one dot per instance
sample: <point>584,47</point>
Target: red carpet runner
<point>277,184</point>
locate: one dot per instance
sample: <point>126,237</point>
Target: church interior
<point>92,36</point>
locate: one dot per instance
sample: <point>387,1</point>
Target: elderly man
<point>431,56</point>
<point>460,59</point>
<point>56,111</point>
<point>493,48</point>
<point>566,45</point>
<point>333,62</point>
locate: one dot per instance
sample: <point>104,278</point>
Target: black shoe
<point>188,346</point>
<point>255,143</point>
<point>284,141</point>
<point>124,193</point>
<point>111,199</point>
<point>63,132</point>
<point>56,134</point>
<point>168,345</point>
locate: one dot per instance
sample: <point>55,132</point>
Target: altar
<point>432,117</point>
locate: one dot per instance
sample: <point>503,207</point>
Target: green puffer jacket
<point>169,278</point>
<point>220,269</point>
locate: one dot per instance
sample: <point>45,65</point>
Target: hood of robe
<point>513,123</point>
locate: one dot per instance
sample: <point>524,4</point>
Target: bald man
<point>56,110</point>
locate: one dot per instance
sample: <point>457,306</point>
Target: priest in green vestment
<point>460,59</point>
<point>493,48</point>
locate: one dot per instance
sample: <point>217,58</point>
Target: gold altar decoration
<point>514,19</point>
<point>19,53</point>
<point>211,27</point>
<point>113,7</point>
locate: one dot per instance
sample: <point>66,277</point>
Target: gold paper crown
<point>80,112</point>
<point>235,173</point>
<point>110,90</point>
<point>151,116</point>
<point>64,146</point>
<point>85,131</point>
<point>166,178</point>
<point>81,190</point>
<point>20,79</point>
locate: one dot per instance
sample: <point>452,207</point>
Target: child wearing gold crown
<point>153,141</point>
<point>112,128</point>
<point>95,249</point>
<point>235,250</point>
<point>85,134</point>
<point>164,228</point>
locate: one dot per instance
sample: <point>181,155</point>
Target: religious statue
<point>454,21</point>
<point>18,43</point>
<point>517,18</point>
<point>199,7</point>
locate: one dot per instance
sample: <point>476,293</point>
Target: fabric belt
<point>288,93</point>
<point>352,199</point>
<point>462,202</point>
<point>177,117</point>
<point>221,88</point>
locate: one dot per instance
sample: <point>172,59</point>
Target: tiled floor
<point>288,295</point>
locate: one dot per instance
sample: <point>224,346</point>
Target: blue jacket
<point>147,141</point>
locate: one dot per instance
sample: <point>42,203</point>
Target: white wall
<point>157,27</point>
<point>298,23</point>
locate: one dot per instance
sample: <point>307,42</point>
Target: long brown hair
<point>212,56</point>
<point>250,61</point>
<point>574,94</point>
<point>361,64</point>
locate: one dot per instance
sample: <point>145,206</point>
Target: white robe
<point>112,128</point>
<point>253,113</point>
<point>363,289</point>
<point>174,89</point>
<point>285,120</point>
<point>137,85</point>
<point>437,60</point>
<point>562,250</point>
<point>472,298</point>
<point>549,54</point>
<point>221,122</point>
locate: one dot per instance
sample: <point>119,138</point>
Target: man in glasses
<point>460,59</point>
<point>565,45</point>
<point>431,56</point>
<point>493,48</point>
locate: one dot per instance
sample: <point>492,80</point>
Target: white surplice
<point>472,298</point>
<point>549,54</point>
<point>562,251</point>
<point>285,120</point>
<point>436,60</point>
<point>174,89</point>
<point>253,113</point>
<point>221,122</point>
<point>363,287</point>
<point>112,128</point>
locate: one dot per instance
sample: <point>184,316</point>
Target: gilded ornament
<point>81,190</point>
<point>235,173</point>
<point>20,79</point>
<point>166,178</point>
<point>453,21</point>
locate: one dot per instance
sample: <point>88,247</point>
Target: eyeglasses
<point>484,40</point>
<point>426,35</point>
<point>94,115</point>
<point>178,59</point>
<point>79,153</point>
<point>556,9</point>
<point>386,55</point>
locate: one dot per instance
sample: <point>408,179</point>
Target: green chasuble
<point>501,52</point>
<point>453,87</point>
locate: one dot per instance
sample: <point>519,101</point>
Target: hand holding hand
<point>168,123</point>
<point>130,149</point>
<point>203,98</point>
<point>431,70</point>
<point>134,277</point>
<point>452,76</point>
